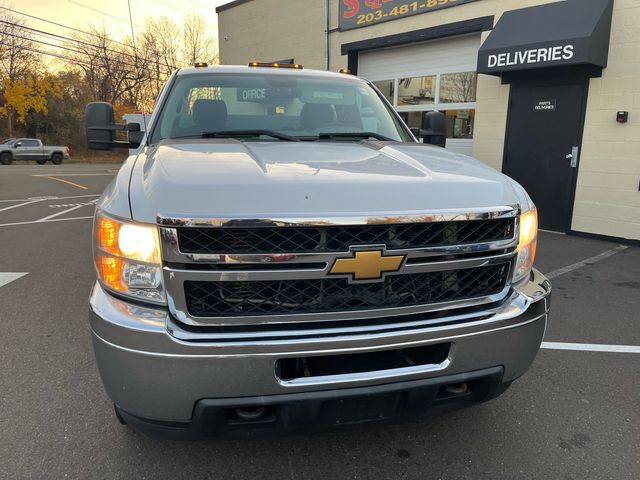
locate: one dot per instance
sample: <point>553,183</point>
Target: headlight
<point>527,243</point>
<point>127,258</point>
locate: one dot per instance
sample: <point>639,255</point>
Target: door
<point>35,151</point>
<point>21,150</point>
<point>542,149</point>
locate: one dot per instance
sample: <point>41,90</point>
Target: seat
<point>209,115</point>
<point>349,116</point>
<point>315,115</point>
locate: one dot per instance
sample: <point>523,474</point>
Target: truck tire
<point>56,159</point>
<point>6,159</point>
<point>42,161</point>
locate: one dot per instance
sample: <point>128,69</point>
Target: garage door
<point>438,75</point>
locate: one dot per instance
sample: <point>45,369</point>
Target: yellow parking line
<point>67,181</point>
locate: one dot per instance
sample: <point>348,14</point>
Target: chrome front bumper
<point>147,371</point>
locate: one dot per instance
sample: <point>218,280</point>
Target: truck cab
<point>27,149</point>
<point>281,253</point>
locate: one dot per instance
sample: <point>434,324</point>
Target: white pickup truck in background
<point>31,149</point>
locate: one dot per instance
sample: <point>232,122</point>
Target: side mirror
<point>134,134</point>
<point>435,129</point>
<point>101,128</point>
<point>98,119</point>
<point>18,144</point>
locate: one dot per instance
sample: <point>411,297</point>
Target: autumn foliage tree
<point>27,95</point>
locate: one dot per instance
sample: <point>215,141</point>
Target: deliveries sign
<point>361,13</point>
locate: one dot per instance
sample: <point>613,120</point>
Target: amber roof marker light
<point>201,64</point>
<point>345,71</point>
<point>293,66</point>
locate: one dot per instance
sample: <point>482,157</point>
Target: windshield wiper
<point>365,135</point>
<point>250,133</point>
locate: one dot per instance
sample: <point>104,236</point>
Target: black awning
<point>567,33</point>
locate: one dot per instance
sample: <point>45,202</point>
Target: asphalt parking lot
<point>575,415</point>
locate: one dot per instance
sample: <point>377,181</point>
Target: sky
<point>113,13</point>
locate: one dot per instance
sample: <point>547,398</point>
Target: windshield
<point>276,108</point>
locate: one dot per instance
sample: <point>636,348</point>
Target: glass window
<point>303,106</point>
<point>413,119</point>
<point>386,87</point>
<point>460,123</point>
<point>458,87</point>
<point>416,91</point>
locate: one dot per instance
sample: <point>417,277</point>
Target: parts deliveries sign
<point>362,13</point>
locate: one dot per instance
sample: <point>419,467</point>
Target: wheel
<point>42,161</point>
<point>56,159</point>
<point>6,159</point>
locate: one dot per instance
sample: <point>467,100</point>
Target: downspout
<point>326,36</point>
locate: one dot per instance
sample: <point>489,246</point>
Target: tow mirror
<point>101,128</point>
<point>434,129</point>
<point>135,134</point>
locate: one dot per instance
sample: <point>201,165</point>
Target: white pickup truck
<point>31,149</point>
<point>281,253</point>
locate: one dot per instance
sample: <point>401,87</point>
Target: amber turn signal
<point>110,271</point>
<point>107,234</point>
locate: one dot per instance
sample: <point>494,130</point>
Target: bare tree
<point>159,45</point>
<point>198,45</point>
<point>17,48</point>
<point>111,69</point>
<point>133,73</point>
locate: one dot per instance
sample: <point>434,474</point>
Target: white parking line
<point>77,175</point>
<point>48,221</point>
<point>590,347</point>
<point>8,277</point>
<point>584,263</point>
<point>60,213</point>
<point>19,205</point>
<point>50,197</point>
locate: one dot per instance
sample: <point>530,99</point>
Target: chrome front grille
<point>264,239</point>
<point>257,276</point>
<point>278,297</point>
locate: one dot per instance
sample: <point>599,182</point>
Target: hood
<point>228,178</point>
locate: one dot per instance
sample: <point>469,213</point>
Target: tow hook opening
<point>462,391</point>
<point>455,389</point>
<point>249,414</point>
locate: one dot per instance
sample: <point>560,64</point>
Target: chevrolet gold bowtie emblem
<point>367,265</point>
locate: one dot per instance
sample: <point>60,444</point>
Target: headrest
<point>315,115</point>
<point>210,115</point>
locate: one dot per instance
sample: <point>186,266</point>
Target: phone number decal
<point>361,13</point>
